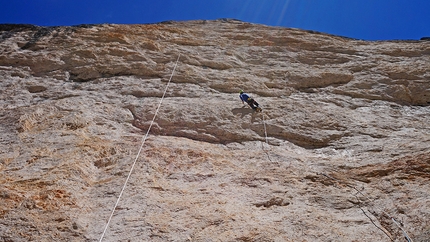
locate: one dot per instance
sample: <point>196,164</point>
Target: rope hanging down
<point>265,130</point>
<point>265,134</point>
<point>370,201</point>
<point>138,153</point>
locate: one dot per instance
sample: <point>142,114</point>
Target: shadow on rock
<point>243,111</point>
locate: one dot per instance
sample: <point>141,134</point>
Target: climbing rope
<point>404,232</point>
<point>348,185</point>
<point>265,130</point>
<point>371,220</point>
<point>265,134</point>
<point>369,202</point>
<point>138,153</point>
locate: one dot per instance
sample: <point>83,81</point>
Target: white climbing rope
<point>265,130</point>
<point>138,153</point>
<point>267,143</point>
<point>404,232</point>
<point>369,202</point>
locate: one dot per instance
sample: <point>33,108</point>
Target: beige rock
<point>339,153</point>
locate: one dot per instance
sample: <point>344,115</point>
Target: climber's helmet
<point>241,91</point>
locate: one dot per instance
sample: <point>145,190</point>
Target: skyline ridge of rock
<point>21,26</point>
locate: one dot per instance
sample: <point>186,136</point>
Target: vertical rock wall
<point>347,152</point>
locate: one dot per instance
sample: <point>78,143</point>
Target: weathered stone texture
<point>347,124</point>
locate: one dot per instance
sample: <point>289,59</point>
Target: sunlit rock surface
<point>339,153</point>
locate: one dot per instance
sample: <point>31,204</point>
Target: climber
<point>251,102</point>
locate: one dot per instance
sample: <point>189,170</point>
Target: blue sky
<point>362,19</point>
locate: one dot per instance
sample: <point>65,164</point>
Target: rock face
<point>339,153</point>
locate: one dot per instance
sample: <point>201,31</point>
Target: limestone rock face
<point>339,153</point>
